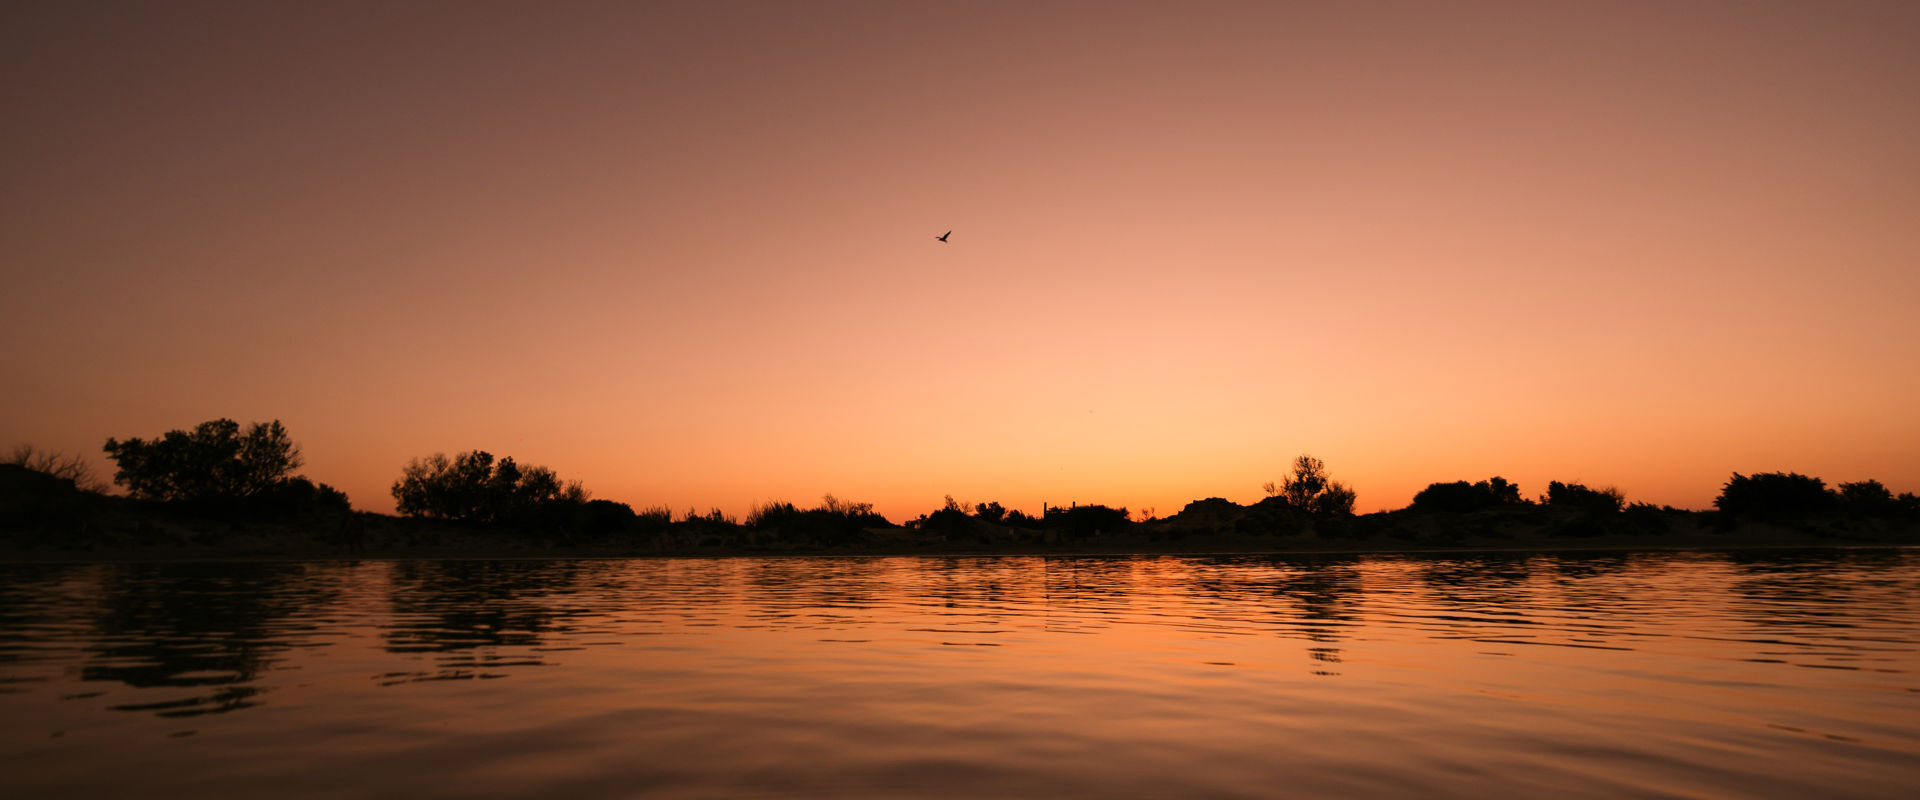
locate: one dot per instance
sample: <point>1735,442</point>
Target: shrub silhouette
<point>472,487</point>
<point>1867,499</point>
<point>1309,489</point>
<point>572,515</point>
<point>1211,512</point>
<point>59,465</point>
<point>1774,494</point>
<point>653,518</point>
<point>1461,497</point>
<point>1080,522</point>
<point>712,517</point>
<point>1579,497</point>
<point>1647,518</point>
<point>835,522</point>
<point>216,468</point>
<point>30,498</point>
<point>296,494</point>
<point>950,521</point>
<point>214,461</point>
<point>990,512</point>
<point>1336,500</point>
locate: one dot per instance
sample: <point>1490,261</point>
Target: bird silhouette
<point>943,237</point>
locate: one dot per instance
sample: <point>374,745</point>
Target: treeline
<point>222,470</point>
<point>1761,496</point>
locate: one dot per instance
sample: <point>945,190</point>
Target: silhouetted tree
<point>1771,494</point>
<point>1308,479</point>
<point>470,486</point>
<point>1460,496</point>
<point>1867,498</point>
<point>951,520</point>
<point>59,465</point>
<point>1578,496</point>
<point>297,493</point>
<point>990,512</point>
<point>592,517</point>
<point>1503,493</point>
<point>1080,521</point>
<point>213,461</point>
<point>1335,500</point>
<point>1309,489</point>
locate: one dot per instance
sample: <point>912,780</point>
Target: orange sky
<point>684,251</point>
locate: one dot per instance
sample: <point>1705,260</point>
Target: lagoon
<point>1787,673</point>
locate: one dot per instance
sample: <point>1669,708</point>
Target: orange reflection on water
<point>1597,675</point>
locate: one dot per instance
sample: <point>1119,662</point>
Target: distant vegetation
<point>240,481</point>
<point>218,467</point>
<point>834,522</point>
<point>1774,494</point>
<point>1461,497</point>
<point>1309,489</point>
<point>213,460</point>
<point>472,487</point>
<point>1579,497</point>
<point>59,466</point>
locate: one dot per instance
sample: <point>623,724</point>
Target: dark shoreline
<point>292,546</point>
<point>59,524</point>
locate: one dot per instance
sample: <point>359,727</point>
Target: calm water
<point>1690,675</point>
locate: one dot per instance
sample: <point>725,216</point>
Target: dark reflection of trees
<point>1477,581</point>
<point>1815,590</point>
<point>1574,569</point>
<point>786,584</point>
<point>36,603</point>
<point>1088,579</point>
<point>464,613</point>
<point>213,629</point>
<point>1324,593</point>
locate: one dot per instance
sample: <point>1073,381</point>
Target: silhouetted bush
<point>1080,522</point>
<point>653,519</point>
<point>1581,498</point>
<point>712,517</point>
<point>835,522</point>
<point>951,521</point>
<point>1647,519</point>
<point>1867,499</point>
<point>1273,516</point>
<point>1460,496</point>
<point>35,500</point>
<point>990,512</point>
<point>59,465</point>
<point>296,495</point>
<point>1774,494</point>
<point>1309,489</point>
<point>1211,506</point>
<point>593,517</point>
<point>214,461</point>
<point>471,487</point>
<point>1021,519</point>
<point>218,469</point>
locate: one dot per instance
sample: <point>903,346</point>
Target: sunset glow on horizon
<point>685,252</point>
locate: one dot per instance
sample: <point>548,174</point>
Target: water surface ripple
<point>1781,674</point>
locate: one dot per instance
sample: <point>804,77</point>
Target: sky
<point>684,252</point>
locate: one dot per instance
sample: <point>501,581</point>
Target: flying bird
<point>943,237</point>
